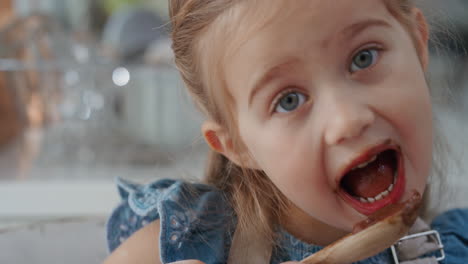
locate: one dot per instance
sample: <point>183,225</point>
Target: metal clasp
<point>432,233</point>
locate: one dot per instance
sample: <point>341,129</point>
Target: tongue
<point>373,179</point>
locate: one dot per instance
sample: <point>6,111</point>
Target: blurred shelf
<point>57,197</point>
<point>33,201</point>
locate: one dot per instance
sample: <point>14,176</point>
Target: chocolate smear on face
<point>409,211</point>
<point>381,230</point>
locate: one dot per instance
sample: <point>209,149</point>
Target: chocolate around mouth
<point>409,211</point>
<point>374,179</point>
<point>377,233</point>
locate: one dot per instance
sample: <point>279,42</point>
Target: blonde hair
<point>257,202</point>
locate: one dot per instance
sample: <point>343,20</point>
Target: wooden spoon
<point>378,232</point>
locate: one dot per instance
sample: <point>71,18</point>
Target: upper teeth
<point>362,165</point>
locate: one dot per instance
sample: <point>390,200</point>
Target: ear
<point>219,140</point>
<point>421,31</point>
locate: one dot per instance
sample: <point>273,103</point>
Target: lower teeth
<point>379,196</point>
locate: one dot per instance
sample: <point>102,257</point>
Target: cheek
<point>274,149</point>
<point>288,155</point>
<point>416,122</point>
<point>408,109</point>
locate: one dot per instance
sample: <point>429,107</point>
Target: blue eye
<point>290,102</point>
<point>364,59</point>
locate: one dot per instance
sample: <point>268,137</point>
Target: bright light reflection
<point>121,76</point>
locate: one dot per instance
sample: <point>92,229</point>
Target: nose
<point>347,118</point>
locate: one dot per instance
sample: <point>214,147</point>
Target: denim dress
<point>198,223</point>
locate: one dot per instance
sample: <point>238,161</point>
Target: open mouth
<point>374,181</point>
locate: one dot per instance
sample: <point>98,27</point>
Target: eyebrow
<point>358,27</point>
<point>272,73</point>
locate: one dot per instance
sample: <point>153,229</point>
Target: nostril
<point>333,139</point>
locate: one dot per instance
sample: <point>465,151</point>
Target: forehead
<point>257,34</point>
<point>272,22</point>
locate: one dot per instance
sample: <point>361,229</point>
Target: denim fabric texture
<point>197,223</point>
<point>453,229</point>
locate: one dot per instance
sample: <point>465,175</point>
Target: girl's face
<point>323,87</point>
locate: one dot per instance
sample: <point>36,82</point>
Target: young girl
<point>318,115</point>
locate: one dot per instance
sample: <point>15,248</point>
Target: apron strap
<point>420,241</point>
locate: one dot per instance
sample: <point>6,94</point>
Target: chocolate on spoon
<point>371,236</point>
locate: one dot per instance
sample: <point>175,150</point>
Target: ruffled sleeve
<point>196,220</point>
<point>453,229</point>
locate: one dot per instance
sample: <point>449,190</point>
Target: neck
<point>310,230</point>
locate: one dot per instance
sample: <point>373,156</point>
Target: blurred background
<point>88,93</point>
